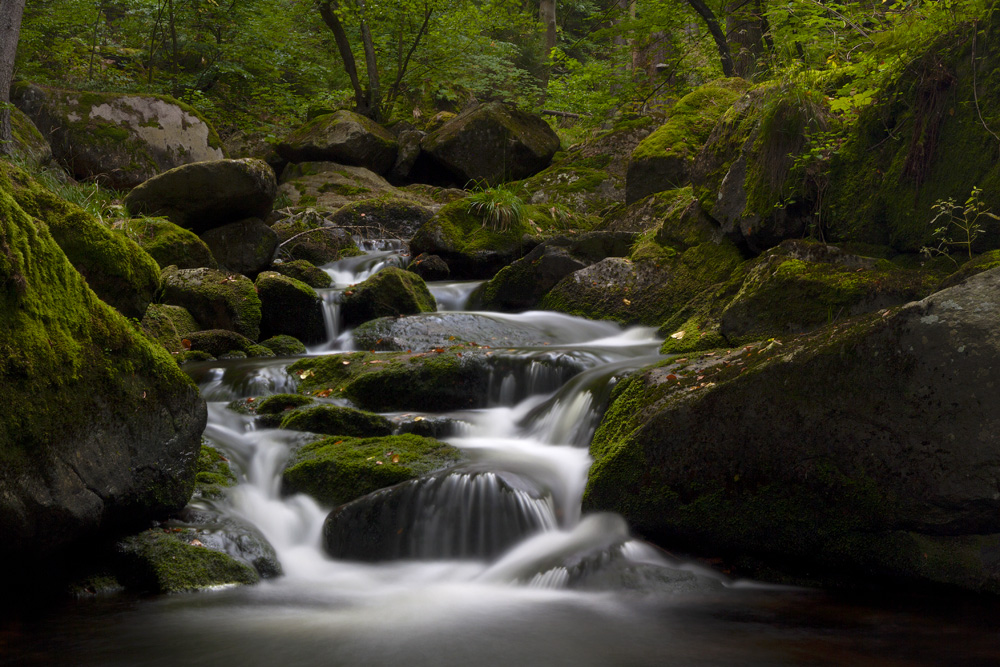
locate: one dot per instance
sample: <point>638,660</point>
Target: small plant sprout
<point>499,208</point>
<point>958,225</point>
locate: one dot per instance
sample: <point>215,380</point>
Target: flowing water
<point>497,566</point>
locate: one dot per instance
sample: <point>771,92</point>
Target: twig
<point>975,93</point>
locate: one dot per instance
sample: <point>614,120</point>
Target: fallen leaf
<point>196,543</point>
<point>677,335</point>
<point>395,459</point>
<point>186,343</point>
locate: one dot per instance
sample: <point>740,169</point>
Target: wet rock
<point>337,470</point>
<point>290,307</point>
<point>863,450</point>
<point>121,140</point>
<point>170,244</point>
<point>427,332</point>
<point>246,246</point>
<point>337,420</point>
<point>390,292</point>
<point>311,237</point>
<point>344,137</point>
<point>284,345</point>
<point>441,517</point>
<point>383,218</point>
<point>305,271</point>
<point>492,143</point>
<point>206,195</point>
<point>429,267</point>
<point>218,342</point>
<point>216,300</point>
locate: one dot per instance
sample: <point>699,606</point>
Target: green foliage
<point>959,223</point>
<point>499,207</point>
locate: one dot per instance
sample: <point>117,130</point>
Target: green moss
<point>305,271</point>
<point>338,470</point>
<point>167,562</point>
<point>170,244</point>
<point>390,292</point>
<point>213,474</point>
<point>216,300</point>
<point>279,403</point>
<point>985,262</point>
<point>284,345</point>
<point>158,325</point>
<point>336,420</point>
<point>343,189</point>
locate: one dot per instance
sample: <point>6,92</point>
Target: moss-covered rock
<point>119,139</point>
<point>170,244</point>
<point>284,346</point>
<point>272,409</point>
<point>305,271</point>
<point>448,380</point>
<point>863,450</point>
<point>167,325</point>
<point>429,267</point>
<point>309,236</point>
<point>391,291</point>
<point>29,144</point>
<point>492,143</point>
<point>383,217</point>
<point>663,160</point>
<point>101,428</point>
<point>289,307</point>
<point>330,185</point>
<point>213,473</point>
<point>345,137</point>
<point>985,262</point>
<point>218,342</point>
<point>215,300</point>
<point>337,420</point>
<point>116,268</point>
<point>205,195</point>
<point>337,470</point>
<point>245,246</point>
<point>158,561</point>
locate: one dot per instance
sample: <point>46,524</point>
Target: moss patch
<point>336,420</point>
<point>390,292</point>
<point>171,562</point>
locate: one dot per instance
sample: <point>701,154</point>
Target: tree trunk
<point>10,31</point>
<point>547,17</point>
<point>371,65</point>
<point>745,32</point>
<point>718,35</point>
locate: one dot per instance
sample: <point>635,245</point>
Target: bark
<point>10,31</point>
<point>547,17</point>
<point>328,10</point>
<point>745,28</point>
<point>718,35</point>
<point>371,64</point>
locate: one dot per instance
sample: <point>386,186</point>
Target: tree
<point>10,30</point>
<point>547,17</point>
<point>721,41</point>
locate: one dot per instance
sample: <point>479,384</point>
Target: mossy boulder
<point>337,420</point>
<point>424,333</point>
<point>391,291</point>
<point>213,473</point>
<point>289,307</point>
<point>272,409</point>
<point>206,195</point>
<point>309,236</point>
<point>29,143</point>
<point>330,185</point>
<point>337,470</point>
<point>407,155</point>
<point>284,345</point>
<point>521,285</point>
<point>663,160</point>
<point>305,271</point>
<point>429,267</point>
<point>170,244</point>
<point>492,143</point>
<point>246,246</point>
<point>383,217</point>
<point>119,139</point>
<point>451,379</point>
<point>985,262</point>
<point>345,137</point>
<point>218,342</point>
<point>163,561</point>
<point>216,300</point>
<point>120,272</point>
<point>168,325</point>
<point>102,428</point>
<point>862,451</point>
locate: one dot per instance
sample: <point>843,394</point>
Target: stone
<point>289,307</point>
<point>216,300</point>
<point>170,244</point>
<point>205,195</point>
<point>391,291</point>
<point>247,246</point>
<point>337,420</point>
<point>303,270</point>
<point>429,267</point>
<point>309,236</point>
<point>118,139</point>
<point>406,157</point>
<point>345,137</point>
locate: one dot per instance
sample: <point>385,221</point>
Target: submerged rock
<point>121,140</point>
<point>206,195</point>
<point>337,470</point>
<point>102,428</point>
<point>866,449</point>
<point>390,292</point>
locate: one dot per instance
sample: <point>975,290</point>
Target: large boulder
<point>383,217</point>
<point>337,470</point>
<point>345,137</point>
<point>215,300</point>
<point>336,420</point>
<point>303,270</point>
<point>101,429</point>
<point>492,143</point>
<point>289,307</point>
<point>169,244</point>
<point>205,195</point>
<point>330,185</point>
<point>391,291</point>
<point>120,139</point>
<point>865,449</point>
<point>663,160</point>
<point>168,325</point>
<point>311,237</point>
<point>116,268</point>
<point>246,246</point>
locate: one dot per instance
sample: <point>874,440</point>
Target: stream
<point>500,568</point>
